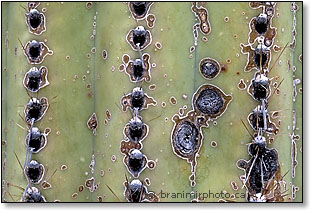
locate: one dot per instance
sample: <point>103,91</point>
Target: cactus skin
<point>69,27</point>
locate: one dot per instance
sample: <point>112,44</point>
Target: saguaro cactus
<point>89,66</point>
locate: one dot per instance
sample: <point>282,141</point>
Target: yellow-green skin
<point>69,27</point>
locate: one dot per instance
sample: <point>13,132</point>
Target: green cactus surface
<point>82,81</point>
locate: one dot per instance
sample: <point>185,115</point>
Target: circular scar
<point>209,68</point>
<point>210,101</point>
<point>186,140</point>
